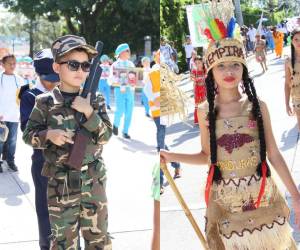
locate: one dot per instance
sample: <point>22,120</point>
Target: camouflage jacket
<point>53,111</point>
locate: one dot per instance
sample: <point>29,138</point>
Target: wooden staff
<point>184,206</point>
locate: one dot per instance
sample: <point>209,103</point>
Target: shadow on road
<point>12,187</point>
<point>257,75</point>
<point>189,134</point>
<point>289,143</point>
<point>296,232</point>
<point>138,146</point>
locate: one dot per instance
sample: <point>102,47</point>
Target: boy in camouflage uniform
<point>51,127</point>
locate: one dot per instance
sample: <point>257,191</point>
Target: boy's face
<point>146,64</point>
<point>125,55</point>
<point>10,65</point>
<point>68,76</point>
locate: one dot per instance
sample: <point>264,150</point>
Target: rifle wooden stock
<point>82,138</point>
<point>184,206</point>
<point>78,150</point>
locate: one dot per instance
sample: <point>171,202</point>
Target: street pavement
<point>129,168</point>
<point>176,232</point>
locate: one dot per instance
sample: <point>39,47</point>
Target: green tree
<point>174,24</point>
<point>113,21</point>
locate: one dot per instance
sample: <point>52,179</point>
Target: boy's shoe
<point>161,190</point>
<point>177,173</point>
<point>126,136</point>
<point>12,166</point>
<point>115,130</point>
<point>1,169</point>
<point>108,107</point>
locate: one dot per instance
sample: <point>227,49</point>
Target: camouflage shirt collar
<point>57,96</point>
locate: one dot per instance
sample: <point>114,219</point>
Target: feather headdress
<point>223,32</point>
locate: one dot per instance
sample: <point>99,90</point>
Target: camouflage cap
<point>65,44</point>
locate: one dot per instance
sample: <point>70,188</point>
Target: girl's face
<point>228,75</point>
<point>199,64</point>
<point>296,41</point>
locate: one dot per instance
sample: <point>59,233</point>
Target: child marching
<point>123,91</point>
<point>198,77</point>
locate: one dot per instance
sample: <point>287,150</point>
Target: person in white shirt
<point>252,33</point>
<point>9,109</point>
<point>188,48</point>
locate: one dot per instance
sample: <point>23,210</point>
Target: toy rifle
<point>82,135</point>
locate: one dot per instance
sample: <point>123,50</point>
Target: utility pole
<point>238,12</point>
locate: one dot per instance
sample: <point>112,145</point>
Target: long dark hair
<point>212,114</point>
<point>293,33</point>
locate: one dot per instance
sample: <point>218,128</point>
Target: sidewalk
<point>129,165</point>
<point>176,231</point>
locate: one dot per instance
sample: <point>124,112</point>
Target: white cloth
<point>38,85</point>
<point>188,50</point>
<point>9,109</point>
<point>148,85</point>
<point>166,54</point>
<point>252,33</point>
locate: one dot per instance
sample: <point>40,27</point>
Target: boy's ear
<point>56,67</point>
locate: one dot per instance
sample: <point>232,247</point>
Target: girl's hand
<point>296,207</point>
<point>165,156</point>
<point>289,110</point>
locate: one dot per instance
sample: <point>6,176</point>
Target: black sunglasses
<point>74,65</point>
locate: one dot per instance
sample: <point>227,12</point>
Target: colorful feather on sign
<point>221,27</point>
<point>231,27</point>
<point>208,34</point>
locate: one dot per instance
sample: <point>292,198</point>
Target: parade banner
<point>128,76</point>
<point>196,24</point>
<point>259,28</point>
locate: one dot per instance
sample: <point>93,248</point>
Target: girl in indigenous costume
<point>245,210</point>
<point>260,53</point>
<point>198,77</point>
<point>292,76</point>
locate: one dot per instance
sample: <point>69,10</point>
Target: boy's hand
<point>83,105</point>
<point>59,137</point>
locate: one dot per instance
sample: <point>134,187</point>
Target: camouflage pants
<point>84,208</point>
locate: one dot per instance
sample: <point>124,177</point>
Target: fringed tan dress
<point>232,221</point>
<point>295,84</point>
